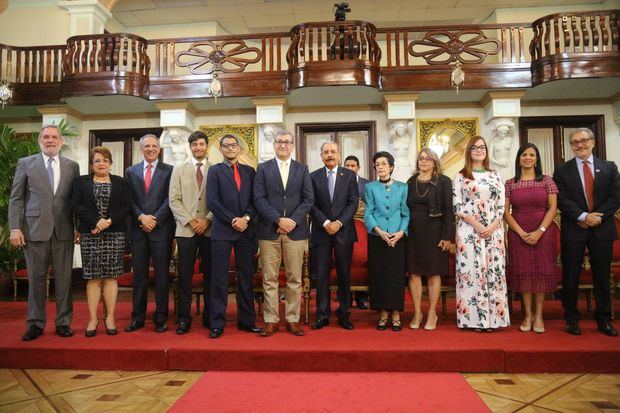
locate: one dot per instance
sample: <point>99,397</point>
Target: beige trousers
<point>272,253</point>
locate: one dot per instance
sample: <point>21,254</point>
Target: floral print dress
<point>481,300</point>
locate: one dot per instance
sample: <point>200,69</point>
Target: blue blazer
<point>273,201</point>
<point>154,203</point>
<point>342,208</point>
<point>387,210</point>
<point>227,202</point>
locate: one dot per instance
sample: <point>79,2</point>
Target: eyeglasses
<point>283,143</point>
<point>229,145</point>
<point>580,142</point>
<point>475,148</point>
<point>424,158</point>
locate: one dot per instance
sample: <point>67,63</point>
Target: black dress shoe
<point>183,327</point>
<point>216,332</point>
<point>64,331</point>
<point>362,305</point>
<point>109,331</point>
<point>160,328</point>
<point>319,324</point>
<point>345,323</point>
<point>607,329</point>
<point>91,333</point>
<point>32,333</point>
<point>249,329</point>
<point>573,328</point>
<point>133,326</point>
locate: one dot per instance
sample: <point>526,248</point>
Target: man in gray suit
<point>41,222</point>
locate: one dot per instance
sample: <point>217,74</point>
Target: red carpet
<point>330,392</point>
<point>364,349</point>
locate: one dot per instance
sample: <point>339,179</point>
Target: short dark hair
<point>383,154</point>
<point>537,166</point>
<point>229,136</point>
<point>352,158</point>
<point>101,150</point>
<point>197,135</point>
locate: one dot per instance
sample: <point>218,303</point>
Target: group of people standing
<point>213,210</point>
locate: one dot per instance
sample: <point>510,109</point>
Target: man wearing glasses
<point>283,197</point>
<point>589,197</point>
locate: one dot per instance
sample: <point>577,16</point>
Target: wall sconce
<point>215,87</point>
<point>457,77</point>
<point>6,93</point>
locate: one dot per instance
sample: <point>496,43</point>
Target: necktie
<point>147,177</point>
<point>284,173</point>
<point>199,175</point>
<point>331,183</point>
<point>237,176</point>
<point>50,173</point>
<point>588,181</point>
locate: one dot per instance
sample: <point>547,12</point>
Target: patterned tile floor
<point>119,391</point>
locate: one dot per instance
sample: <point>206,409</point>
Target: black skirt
<point>386,274</point>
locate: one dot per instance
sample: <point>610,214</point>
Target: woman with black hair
<point>531,204</point>
<point>387,220</point>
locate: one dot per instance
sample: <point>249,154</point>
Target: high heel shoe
<point>428,326</point>
<point>382,324</point>
<point>415,324</point>
<point>397,325</point>
<point>92,333</point>
<point>538,330</point>
<point>527,327</point>
<point>109,331</point>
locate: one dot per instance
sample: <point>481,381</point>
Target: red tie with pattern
<point>237,176</point>
<point>147,177</point>
<point>199,175</point>
<point>588,181</point>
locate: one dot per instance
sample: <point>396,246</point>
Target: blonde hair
<point>437,169</point>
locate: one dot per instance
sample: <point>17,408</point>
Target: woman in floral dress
<point>481,300</point>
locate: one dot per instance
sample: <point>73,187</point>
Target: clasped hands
<point>485,232</point>
<point>332,227</point>
<point>102,225</point>
<point>200,225</point>
<point>239,224</point>
<point>285,225</point>
<point>148,222</point>
<point>390,238</point>
<point>593,219</point>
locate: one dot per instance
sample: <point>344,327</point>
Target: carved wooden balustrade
<point>246,65</point>
<point>333,53</point>
<point>106,64</point>
<point>421,58</point>
<point>576,45</point>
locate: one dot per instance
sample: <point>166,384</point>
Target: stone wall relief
<point>401,140</point>
<point>267,135</point>
<point>175,146</point>
<point>501,146</point>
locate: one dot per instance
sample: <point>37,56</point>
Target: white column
<point>502,110</point>
<point>177,119</point>
<point>87,16</point>
<point>270,119</point>
<point>400,111</point>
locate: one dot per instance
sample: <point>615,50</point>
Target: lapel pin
<point>598,170</point>
<point>341,174</point>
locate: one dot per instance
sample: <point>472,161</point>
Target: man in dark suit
<point>283,198</point>
<point>41,221</point>
<point>333,232</point>
<point>150,232</point>
<point>229,197</point>
<point>353,163</point>
<point>589,197</point>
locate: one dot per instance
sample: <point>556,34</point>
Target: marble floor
<point>35,390</point>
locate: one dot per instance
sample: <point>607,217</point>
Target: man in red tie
<point>589,197</point>
<point>229,197</point>
<point>150,233</point>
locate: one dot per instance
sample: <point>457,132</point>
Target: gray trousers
<point>38,255</point>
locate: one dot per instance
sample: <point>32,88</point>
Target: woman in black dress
<point>431,229</point>
<point>101,202</point>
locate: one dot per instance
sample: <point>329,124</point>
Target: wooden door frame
<point>301,129</point>
<point>99,136</point>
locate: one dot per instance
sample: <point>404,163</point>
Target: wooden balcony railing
<point>333,53</point>
<point>561,46</point>
<point>572,45</point>
<point>106,64</point>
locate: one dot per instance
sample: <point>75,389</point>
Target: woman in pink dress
<point>531,204</point>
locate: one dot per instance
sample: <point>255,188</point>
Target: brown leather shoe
<point>270,329</point>
<point>295,329</point>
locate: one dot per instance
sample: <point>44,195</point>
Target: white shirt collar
<point>46,158</point>
<point>195,161</point>
<point>590,159</point>
<point>154,163</point>
<point>335,170</point>
<point>281,162</point>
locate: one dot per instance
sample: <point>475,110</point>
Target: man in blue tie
<point>333,232</point>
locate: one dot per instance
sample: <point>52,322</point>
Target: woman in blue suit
<point>387,221</point>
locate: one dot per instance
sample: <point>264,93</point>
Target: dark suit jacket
<point>272,201</point>
<point>572,200</point>
<point>342,208</point>
<point>85,207</point>
<point>361,187</point>
<point>227,202</point>
<point>154,203</point>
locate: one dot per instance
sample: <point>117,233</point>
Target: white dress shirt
<point>145,167</point>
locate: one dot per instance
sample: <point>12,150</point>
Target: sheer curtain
<point>313,148</point>
<point>543,139</point>
<point>355,143</point>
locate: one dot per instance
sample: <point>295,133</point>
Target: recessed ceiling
<point>260,16</point>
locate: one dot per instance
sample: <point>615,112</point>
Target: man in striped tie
<point>589,197</point>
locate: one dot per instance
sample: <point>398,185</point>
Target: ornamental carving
<point>203,58</point>
<point>466,46</point>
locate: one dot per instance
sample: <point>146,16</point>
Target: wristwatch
<point>543,229</point>
<point>247,217</point>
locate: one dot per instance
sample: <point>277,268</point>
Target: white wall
<point>34,26</point>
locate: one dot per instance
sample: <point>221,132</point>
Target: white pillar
<point>178,121</point>
<point>400,111</point>
<point>87,16</point>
